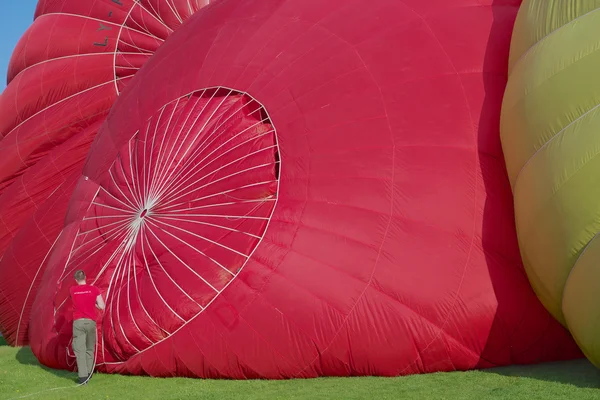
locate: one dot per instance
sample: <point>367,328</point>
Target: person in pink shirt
<point>86,299</point>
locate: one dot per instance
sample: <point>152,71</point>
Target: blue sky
<point>16,16</point>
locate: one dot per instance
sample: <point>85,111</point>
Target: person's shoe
<point>89,376</point>
<point>81,381</point>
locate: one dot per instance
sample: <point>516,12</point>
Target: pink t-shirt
<point>84,301</point>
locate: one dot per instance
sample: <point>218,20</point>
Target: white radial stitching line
<point>179,259</point>
<point>199,237</point>
<point>118,38</point>
<point>120,270</point>
<point>141,50</point>
<point>165,178</point>
<point>133,206</point>
<point>181,180</point>
<point>135,3</point>
<point>119,250</point>
<point>111,207</point>
<point>137,291</point>
<point>113,232</point>
<point>156,14</point>
<point>222,167</point>
<point>32,283</point>
<point>110,259</point>
<point>161,157</point>
<point>73,244</point>
<point>216,88</point>
<point>209,224</point>
<point>125,267</point>
<point>134,175</point>
<point>104,267</point>
<point>126,180</point>
<point>243,265</point>
<point>149,165</point>
<point>174,188</point>
<point>228,217</point>
<point>152,280</point>
<point>108,309</point>
<point>100,227</point>
<point>153,171</point>
<point>142,26</point>
<point>141,179</point>
<point>200,147</point>
<point>130,206</point>
<point>229,203</point>
<point>130,215</point>
<point>169,276</point>
<point>174,10</point>
<point>131,265</point>
<point>218,180</point>
<point>214,195</point>
<point>146,168</point>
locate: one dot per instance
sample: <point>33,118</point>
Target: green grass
<point>21,374</point>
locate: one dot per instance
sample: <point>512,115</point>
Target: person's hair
<point>79,275</point>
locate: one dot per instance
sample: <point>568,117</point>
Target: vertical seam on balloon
<point>117,48</point>
<point>552,33</point>
<point>368,285</point>
<point>475,198</point>
<point>31,286</point>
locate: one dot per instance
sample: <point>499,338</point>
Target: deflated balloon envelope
<point>304,188</point>
<point>64,75</point>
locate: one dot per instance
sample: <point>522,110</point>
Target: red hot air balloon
<point>63,78</point>
<point>301,188</point>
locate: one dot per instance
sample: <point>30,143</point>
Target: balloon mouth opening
<point>144,213</point>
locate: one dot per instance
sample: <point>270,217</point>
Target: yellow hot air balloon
<point>550,131</point>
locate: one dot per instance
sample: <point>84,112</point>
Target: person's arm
<point>100,302</point>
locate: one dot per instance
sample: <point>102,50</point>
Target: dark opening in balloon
<point>143,214</point>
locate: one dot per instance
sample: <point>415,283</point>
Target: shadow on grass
<point>25,357</point>
<point>580,373</point>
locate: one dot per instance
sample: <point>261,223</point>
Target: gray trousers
<point>84,342</point>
